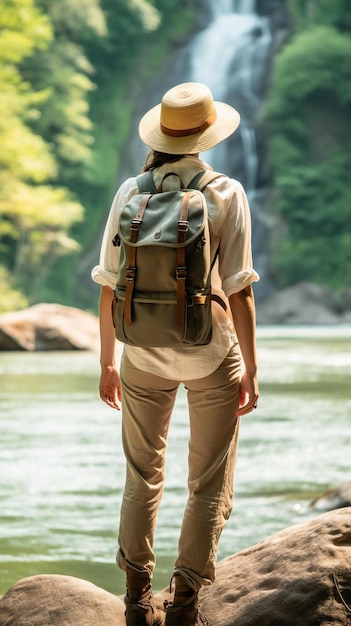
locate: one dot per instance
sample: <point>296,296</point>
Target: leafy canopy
<point>307,117</point>
<point>29,203</point>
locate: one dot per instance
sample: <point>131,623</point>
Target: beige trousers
<point>148,402</point>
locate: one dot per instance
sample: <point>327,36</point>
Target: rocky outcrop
<point>334,498</point>
<point>278,14</point>
<point>49,327</point>
<point>305,303</point>
<point>300,576</point>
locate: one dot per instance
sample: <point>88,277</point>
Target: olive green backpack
<point>163,292</point>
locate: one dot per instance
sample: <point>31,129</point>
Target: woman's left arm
<point>242,307</point>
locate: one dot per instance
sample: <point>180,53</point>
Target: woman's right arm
<point>105,274</point>
<point>110,384</point>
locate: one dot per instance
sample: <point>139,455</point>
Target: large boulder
<point>50,600</point>
<point>300,576</point>
<point>49,327</point>
<point>303,303</point>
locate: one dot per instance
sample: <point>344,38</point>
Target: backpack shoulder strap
<point>202,179</point>
<point>146,182</point>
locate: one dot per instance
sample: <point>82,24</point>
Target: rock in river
<point>49,327</point>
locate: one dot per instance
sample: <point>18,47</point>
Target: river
<point>62,466</point>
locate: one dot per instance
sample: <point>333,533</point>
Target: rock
<point>49,600</point>
<point>334,498</point>
<point>49,327</point>
<point>345,318</point>
<point>281,24</point>
<point>303,303</point>
<point>300,576</point>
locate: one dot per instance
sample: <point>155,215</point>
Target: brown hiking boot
<point>186,614</point>
<point>141,609</point>
<point>143,614</point>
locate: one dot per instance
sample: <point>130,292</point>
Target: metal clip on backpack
<point>163,292</point>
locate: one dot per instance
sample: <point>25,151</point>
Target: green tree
<point>64,71</point>
<point>308,13</point>
<point>34,216</point>
<point>307,116</point>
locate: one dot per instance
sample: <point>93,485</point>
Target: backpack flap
<point>162,212</point>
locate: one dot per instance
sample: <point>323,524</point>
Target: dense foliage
<point>307,115</point>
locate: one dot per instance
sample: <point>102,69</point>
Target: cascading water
<point>222,59</point>
<point>232,57</point>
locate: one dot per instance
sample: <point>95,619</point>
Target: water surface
<point>62,465</point>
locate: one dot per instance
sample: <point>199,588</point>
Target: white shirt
<point>230,230</point>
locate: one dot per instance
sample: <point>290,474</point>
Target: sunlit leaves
<point>10,297</point>
<point>73,19</point>
<point>40,219</point>
<point>150,17</point>
<point>35,216</point>
<point>23,28</point>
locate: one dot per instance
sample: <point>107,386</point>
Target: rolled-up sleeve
<point>235,253</point>
<point>105,273</point>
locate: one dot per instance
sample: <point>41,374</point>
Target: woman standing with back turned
<point>220,377</point>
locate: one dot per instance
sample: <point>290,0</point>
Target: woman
<point>220,378</point>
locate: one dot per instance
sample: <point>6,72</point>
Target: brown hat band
<point>184,132</point>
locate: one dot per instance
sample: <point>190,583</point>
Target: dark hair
<point>156,159</point>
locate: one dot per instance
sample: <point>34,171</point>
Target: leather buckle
<point>183,226</point>
<point>130,273</point>
<point>180,272</point>
<point>135,225</point>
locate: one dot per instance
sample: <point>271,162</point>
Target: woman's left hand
<point>249,394</point>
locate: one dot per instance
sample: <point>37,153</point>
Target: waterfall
<point>227,56</point>
<point>221,7</point>
<point>230,6</point>
<point>244,6</point>
<point>232,57</point>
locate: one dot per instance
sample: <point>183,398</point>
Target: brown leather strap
<point>143,204</point>
<point>131,269</point>
<point>183,227</point>
<point>200,298</point>
<point>130,277</point>
<point>219,301</point>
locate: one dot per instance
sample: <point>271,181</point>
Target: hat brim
<point>228,120</point>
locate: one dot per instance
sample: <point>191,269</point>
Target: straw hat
<point>187,121</point>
